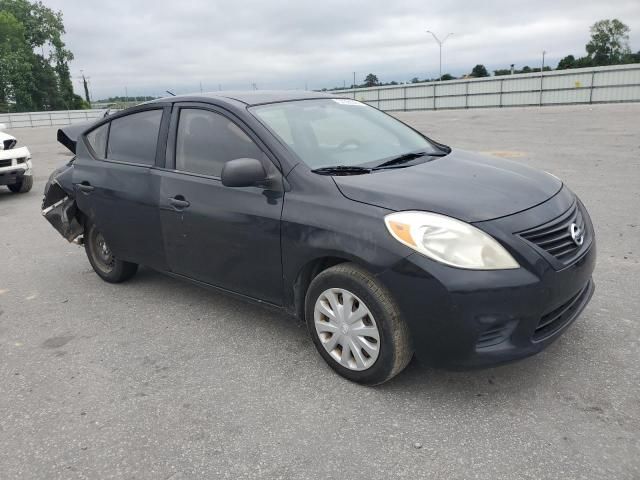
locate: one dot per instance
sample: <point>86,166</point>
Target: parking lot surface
<point>159,379</point>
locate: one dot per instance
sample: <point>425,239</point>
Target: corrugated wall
<point>620,83</point>
<point>48,119</point>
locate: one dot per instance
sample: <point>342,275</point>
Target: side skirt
<point>246,298</point>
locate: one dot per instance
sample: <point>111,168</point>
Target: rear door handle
<point>85,187</point>
<point>179,202</point>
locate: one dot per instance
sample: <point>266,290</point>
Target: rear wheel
<point>356,325</point>
<point>23,186</point>
<point>104,263</point>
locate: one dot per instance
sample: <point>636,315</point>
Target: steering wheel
<point>349,142</point>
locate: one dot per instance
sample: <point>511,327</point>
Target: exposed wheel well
<point>306,275</point>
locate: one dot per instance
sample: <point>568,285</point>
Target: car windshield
<point>340,132</point>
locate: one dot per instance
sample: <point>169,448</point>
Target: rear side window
<point>134,138</point>
<point>207,140</point>
<point>98,140</point>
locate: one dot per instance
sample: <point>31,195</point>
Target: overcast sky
<point>150,46</point>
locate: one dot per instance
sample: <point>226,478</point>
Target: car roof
<point>250,97</point>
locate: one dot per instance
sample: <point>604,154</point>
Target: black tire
<point>23,186</point>
<point>395,344</point>
<point>108,267</point>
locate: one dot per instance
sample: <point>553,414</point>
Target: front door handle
<point>85,187</point>
<point>179,202</point>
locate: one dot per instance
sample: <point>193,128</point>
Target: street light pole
<point>440,43</point>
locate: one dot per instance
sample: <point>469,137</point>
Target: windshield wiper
<point>407,157</point>
<point>342,170</point>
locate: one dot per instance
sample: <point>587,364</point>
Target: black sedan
<point>387,243</point>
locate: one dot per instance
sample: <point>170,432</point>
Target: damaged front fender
<point>59,204</point>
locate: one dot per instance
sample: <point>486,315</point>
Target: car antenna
<point>170,93</point>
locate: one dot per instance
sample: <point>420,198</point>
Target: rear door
<point>115,188</point>
<point>227,237</point>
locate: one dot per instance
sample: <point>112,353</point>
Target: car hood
<point>464,185</point>
<point>5,136</point>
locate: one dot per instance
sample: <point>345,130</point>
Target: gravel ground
<point>160,379</point>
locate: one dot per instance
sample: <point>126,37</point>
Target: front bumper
<point>15,173</point>
<point>15,164</point>
<point>470,318</point>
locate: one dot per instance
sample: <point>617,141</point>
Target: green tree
<point>34,81</point>
<point>447,76</point>
<point>15,57</point>
<point>567,62</point>
<point>631,57</point>
<point>371,80</point>
<point>609,42</point>
<point>479,71</point>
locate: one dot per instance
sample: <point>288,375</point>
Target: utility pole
<point>201,86</point>
<point>354,79</point>
<point>440,43</point>
<point>87,97</point>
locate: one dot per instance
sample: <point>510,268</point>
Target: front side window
<point>330,132</point>
<point>98,140</point>
<point>207,140</point>
<point>134,138</point>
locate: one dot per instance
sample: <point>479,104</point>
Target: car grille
<point>555,238</point>
<point>553,321</point>
<point>9,144</point>
<point>5,163</point>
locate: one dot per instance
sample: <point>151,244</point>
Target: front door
<point>226,237</point>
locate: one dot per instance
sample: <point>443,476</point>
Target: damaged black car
<point>387,243</point>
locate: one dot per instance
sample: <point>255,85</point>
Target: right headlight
<point>449,241</point>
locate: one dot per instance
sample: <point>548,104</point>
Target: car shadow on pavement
<point>251,322</point>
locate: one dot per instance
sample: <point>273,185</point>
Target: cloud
<point>150,46</point>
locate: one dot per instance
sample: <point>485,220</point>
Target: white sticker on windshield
<point>347,101</point>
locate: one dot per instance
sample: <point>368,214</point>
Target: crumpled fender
<point>59,204</point>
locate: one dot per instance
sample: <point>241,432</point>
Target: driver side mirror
<point>243,172</point>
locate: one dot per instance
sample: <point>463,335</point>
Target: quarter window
<point>134,138</point>
<point>98,140</point>
<point>207,140</point>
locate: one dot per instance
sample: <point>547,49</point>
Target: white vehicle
<point>15,164</point>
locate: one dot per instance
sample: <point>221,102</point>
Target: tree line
<point>608,45</point>
<point>34,60</point>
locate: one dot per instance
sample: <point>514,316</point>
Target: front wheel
<point>23,186</point>
<point>104,263</point>
<point>356,325</point>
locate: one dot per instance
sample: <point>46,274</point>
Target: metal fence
<point>620,83</point>
<point>48,119</point>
